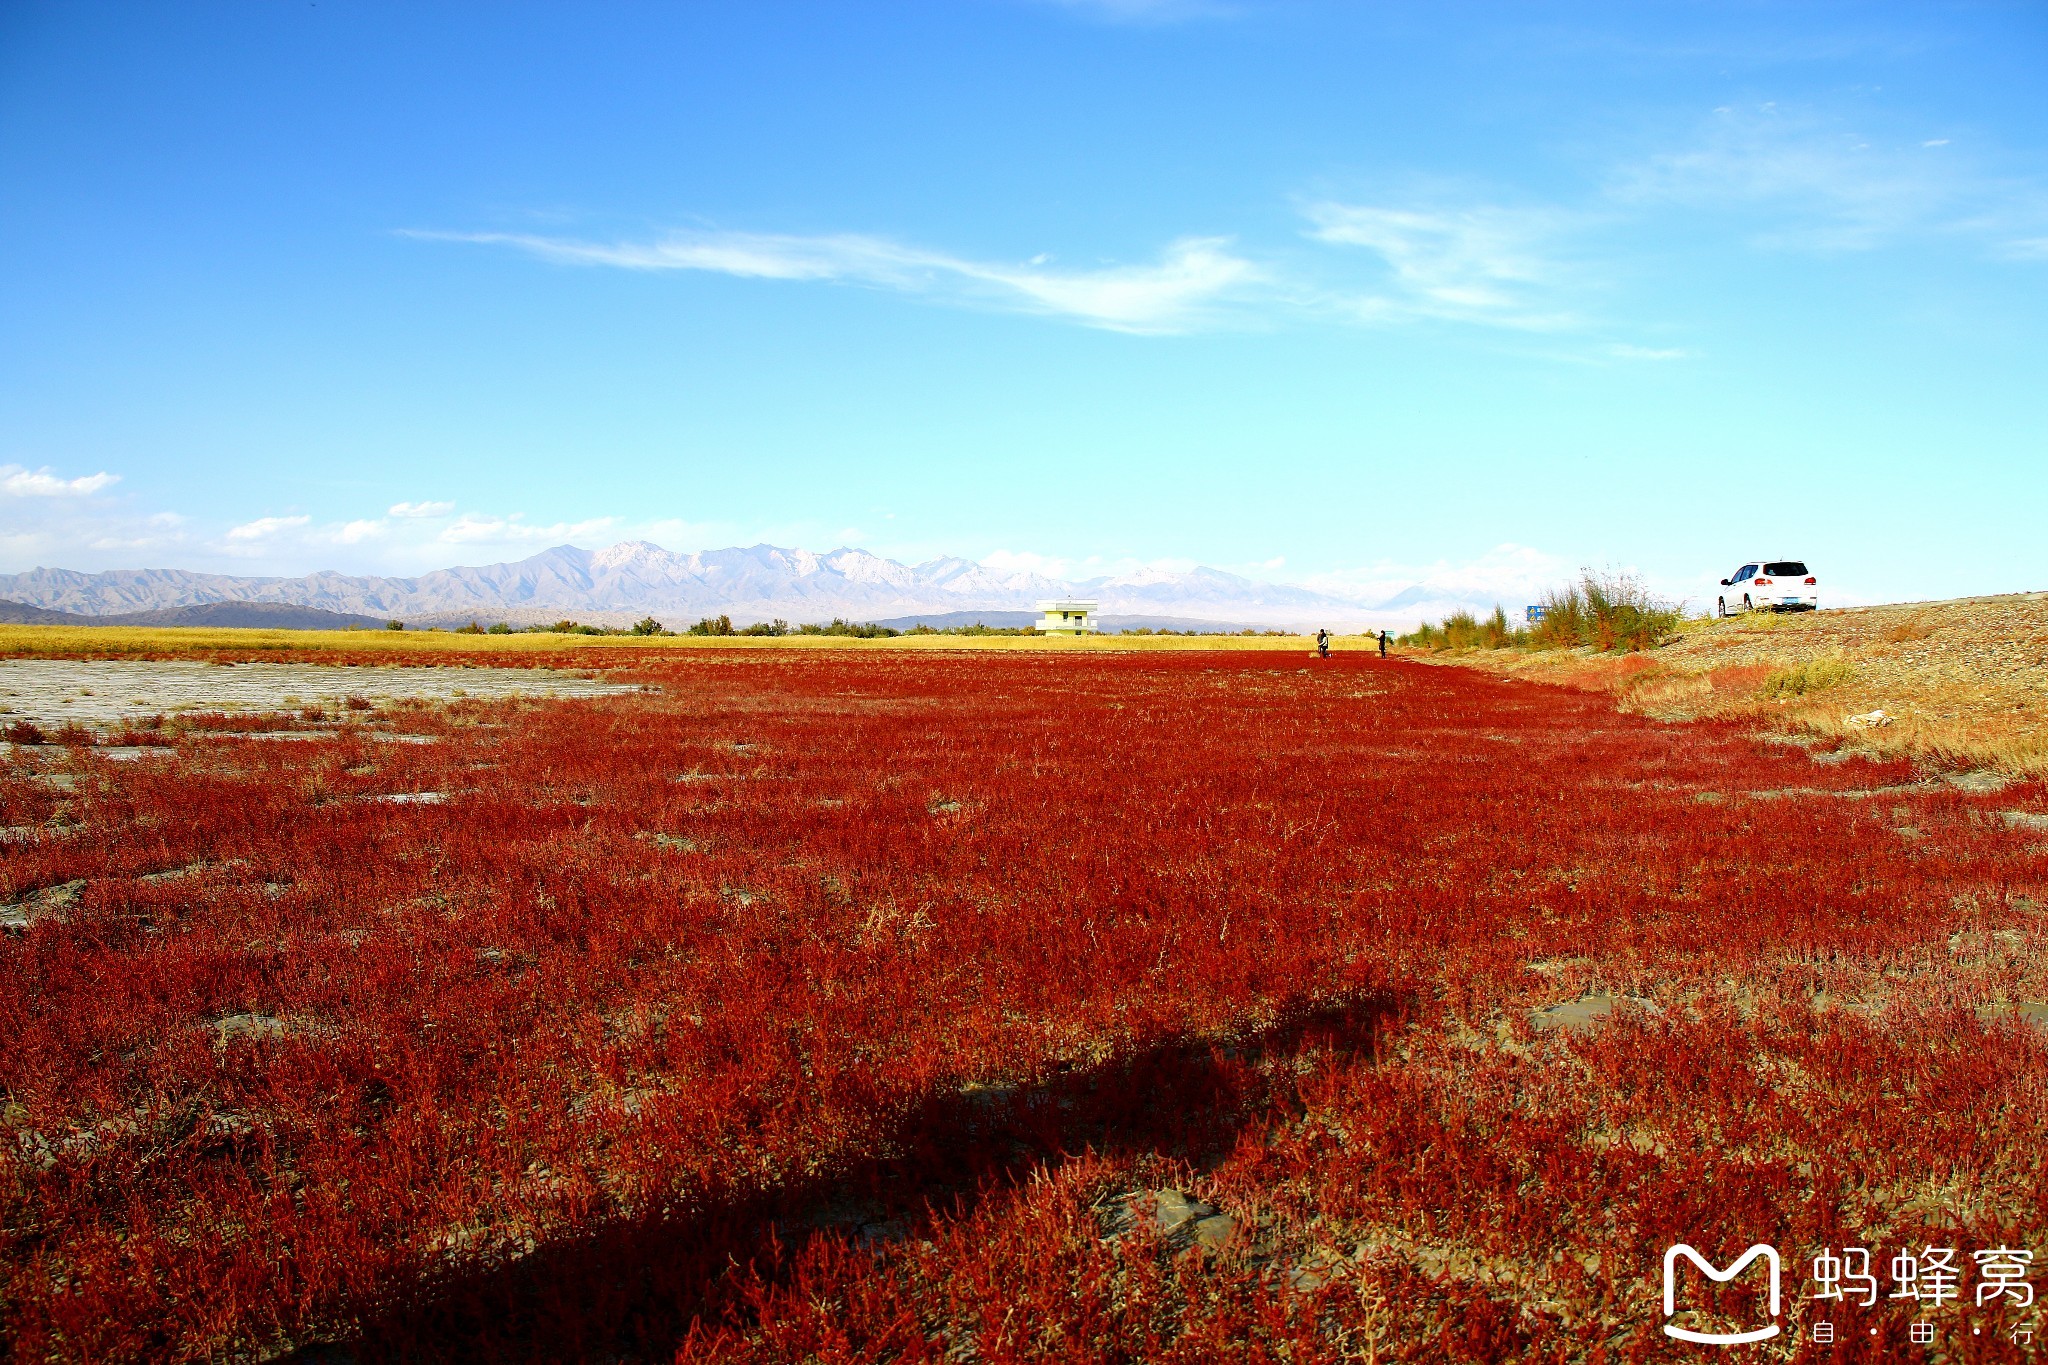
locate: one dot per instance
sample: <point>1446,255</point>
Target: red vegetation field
<point>835,1005</point>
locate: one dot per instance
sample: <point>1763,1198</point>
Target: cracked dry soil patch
<point>97,692</point>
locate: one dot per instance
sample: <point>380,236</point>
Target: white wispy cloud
<point>1812,181</point>
<point>24,547</point>
<point>38,526</point>
<point>420,509</point>
<point>473,528</point>
<point>1508,574</point>
<point>19,482</point>
<point>1146,11</point>
<point>355,532</point>
<point>1185,289</point>
<point>94,533</point>
<point>407,543</point>
<point>1487,264</point>
<point>265,527</point>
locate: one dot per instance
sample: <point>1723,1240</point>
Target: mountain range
<point>760,582</point>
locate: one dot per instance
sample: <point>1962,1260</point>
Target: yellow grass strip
<point>431,646</point>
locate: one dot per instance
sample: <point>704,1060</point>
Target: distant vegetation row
<point>710,625</point>
<point>722,625</point>
<point>1608,612</point>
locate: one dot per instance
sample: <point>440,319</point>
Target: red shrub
<point>822,1005</point>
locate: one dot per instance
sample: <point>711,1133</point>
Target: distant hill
<point>22,614</point>
<point>262,615</point>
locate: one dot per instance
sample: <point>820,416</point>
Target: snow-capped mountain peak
<point>638,577</point>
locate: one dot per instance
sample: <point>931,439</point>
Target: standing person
<point>1322,644</point>
<point>1383,644</point>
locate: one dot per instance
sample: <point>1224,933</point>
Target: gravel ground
<point>1915,647</point>
<point>1969,674</point>
<point>100,692</point>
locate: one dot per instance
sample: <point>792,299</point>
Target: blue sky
<point>1344,294</point>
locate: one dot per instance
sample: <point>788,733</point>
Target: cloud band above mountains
<point>765,581</point>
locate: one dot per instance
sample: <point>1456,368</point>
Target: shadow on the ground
<point>631,1290</point>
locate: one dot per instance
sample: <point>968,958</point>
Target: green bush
<point>971,628</point>
<point>866,630</point>
<point>1463,630</point>
<point>1608,612</point>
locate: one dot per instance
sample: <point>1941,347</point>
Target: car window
<point>1791,568</point>
<point>1747,570</point>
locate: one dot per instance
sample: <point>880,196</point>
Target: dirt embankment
<point>1966,679</point>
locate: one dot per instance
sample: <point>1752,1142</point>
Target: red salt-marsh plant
<point>863,1006</point>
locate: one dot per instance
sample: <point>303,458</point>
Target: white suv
<point>1774,584</point>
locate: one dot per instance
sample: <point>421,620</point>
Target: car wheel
<point>1721,607</point>
<point>1745,603</point>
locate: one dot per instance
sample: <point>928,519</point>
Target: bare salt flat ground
<point>110,691</point>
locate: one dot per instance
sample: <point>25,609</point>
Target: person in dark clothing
<point>1323,644</point>
<point>1383,644</point>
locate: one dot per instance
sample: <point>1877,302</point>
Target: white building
<point>1067,616</point>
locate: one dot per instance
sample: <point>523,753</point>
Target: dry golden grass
<point>2021,752</point>
<point>1806,677</point>
<point>1965,681</point>
<point>115,641</point>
